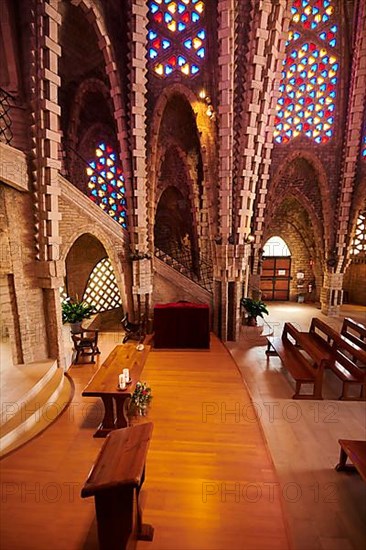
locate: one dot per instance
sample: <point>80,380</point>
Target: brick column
<point>270,37</point>
<point>46,163</point>
<point>353,135</point>
<point>142,270</point>
<point>331,294</point>
<point>225,250</point>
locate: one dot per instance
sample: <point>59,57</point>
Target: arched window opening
<point>106,184</point>
<point>176,37</point>
<point>359,240</point>
<point>310,74</point>
<point>276,246</point>
<point>102,289</point>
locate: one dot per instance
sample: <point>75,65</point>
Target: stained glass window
<point>359,241</point>
<point>310,74</point>
<point>176,37</point>
<point>363,146</point>
<point>106,184</point>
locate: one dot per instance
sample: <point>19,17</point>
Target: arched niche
<point>291,223</point>
<point>85,253</point>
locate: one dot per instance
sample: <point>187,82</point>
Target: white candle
<point>126,374</point>
<point>122,381</point>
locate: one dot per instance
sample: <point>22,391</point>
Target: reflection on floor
<point>325,509</point>
<point>205,473</point>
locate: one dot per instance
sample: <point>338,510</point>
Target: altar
<point>182,325</point>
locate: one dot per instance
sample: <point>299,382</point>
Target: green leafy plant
<point>254,308</point>
<point>75,311</point>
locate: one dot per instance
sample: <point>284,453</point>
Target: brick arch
<point>96,18</point>
<point>322,181</point>
<point>304,202</point>
<point>88,85</point>
<point>117,259</point>
<point>190,190</point>
<point>206,134</point>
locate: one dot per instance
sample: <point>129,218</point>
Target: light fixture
<point>248,239</point>
<point>210,112</point>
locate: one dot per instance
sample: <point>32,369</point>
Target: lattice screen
<point>359,241</point>
<point>102,289</point>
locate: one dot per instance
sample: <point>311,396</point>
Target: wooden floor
<point>210,481</point>
<point>325,509</point>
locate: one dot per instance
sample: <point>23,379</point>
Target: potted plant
<point>75,311</point>
<point>140,399</point>
<point>254,308</point>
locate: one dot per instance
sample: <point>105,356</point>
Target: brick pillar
<point>271,35</point>
<point>46,163</point>
<point>331,294</point>
<point>229,270</point>
<point>142,269</point>
<point>353,135</point>
<point>224,250</point>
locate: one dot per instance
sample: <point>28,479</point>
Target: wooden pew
<point>115,482</point>
<point>356,452</point>
<point>305,367</point>
<point>339,355</point>
<point>355,334</point>
<point>348,372</point>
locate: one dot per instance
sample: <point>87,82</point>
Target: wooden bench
<point>356,452</point>
<point>115,482</point>
<point>339,355</point>
<point>348,372</point>
<point>355,334</point>
<point>323,337</point>
<point>306,367</point>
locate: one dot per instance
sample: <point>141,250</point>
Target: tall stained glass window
<point>310,74</point>
<point>106,184</point>
<point>176,37</point>
<point>363,145</point>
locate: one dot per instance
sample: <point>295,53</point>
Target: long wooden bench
<point>339,354</point>
<point>355,334</point>
<point>115,482</point>
<point>356,452</point>
<point>306,367</point>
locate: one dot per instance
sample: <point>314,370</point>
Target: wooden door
<point>275,278</point>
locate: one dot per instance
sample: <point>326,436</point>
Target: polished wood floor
<point>210,481</point>
<point>325,509</point>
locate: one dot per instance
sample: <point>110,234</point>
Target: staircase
<point>180,259</point>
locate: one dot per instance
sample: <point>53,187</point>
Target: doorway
<point>275,279</point>
<point>276,270</point>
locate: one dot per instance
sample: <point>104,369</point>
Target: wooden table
<point>356,452</point>
<point>104,384</point>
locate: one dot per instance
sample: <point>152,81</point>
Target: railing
<point>6,103</point>
<point>186,261</point>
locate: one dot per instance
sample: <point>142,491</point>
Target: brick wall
<point>18,252</point>
<point>352,283</point>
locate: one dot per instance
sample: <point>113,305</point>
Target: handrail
<point>186,261</point>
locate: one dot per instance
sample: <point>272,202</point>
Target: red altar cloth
<point>181,325</point>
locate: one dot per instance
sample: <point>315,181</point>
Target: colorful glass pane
<point>106,184</point>
<point>176,31</point>
<point>309,77</point>
<point>363,147</point>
